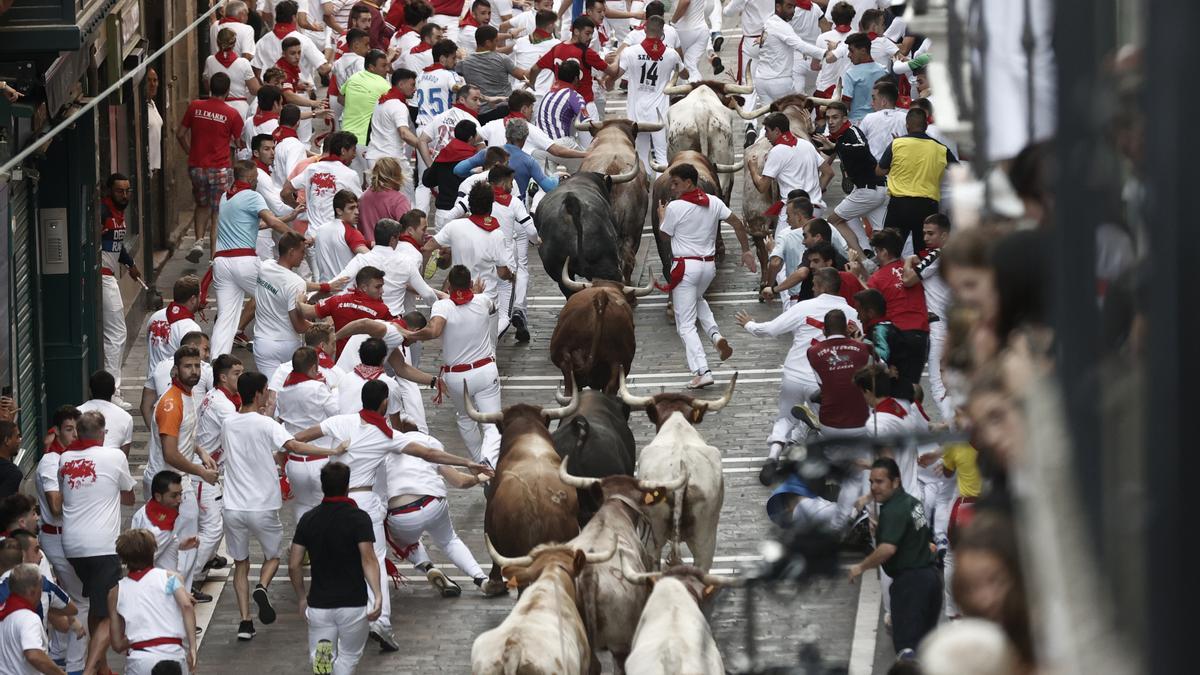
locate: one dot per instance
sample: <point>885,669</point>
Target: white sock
<point>775,450</point>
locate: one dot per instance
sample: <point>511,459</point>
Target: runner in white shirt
<point>886,123</point>
<point>690,19</point>
<point>278,317</point>
<point>518,228</point>
<point>236,15</point>
<point>358,43</point>
<point>167,326</point>
<point>477,243</point>
<point>805,320</point>
<point>464,322</point>
<point>437,83</point>
<point>263,154</point>
<point>264,116</point>
<point>420,56</point>
<point>399,363</point>
<point>533,45</point>
<point>289,149</point>
<point>118,424</point>
<point>925,269</point>
<point>322,179</point>
<point>252,441</point>
<point>649,65</point>
<point>890,418</point>
<point>152,613</point>
<point>807,25</point>
<point>792,164</point>
<point>408,35</point>
<point>402,279</point>
<point>391,129</point>
<point>539,144</point>
<point>160,381</point>
<point>269,47</point>
<point>372,353</point>
<point>371,441</point>
<point>158,516</point>
<point>23,642</point>
<point>214,407</point>
<point>841,15</point>
<point>336,245</point>
<point>691,221</point>
<point>779,47</point>
<point>305,400</point>
<point>319,336</point>
<point>242,82</point>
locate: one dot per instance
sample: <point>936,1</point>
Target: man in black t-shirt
<point>10,445</point>
<point>903,550</point>
<point>865,207</point>
<point>338,538</point>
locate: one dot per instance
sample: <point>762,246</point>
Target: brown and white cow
<point>528,505</point>
<point>610,605</point>
<point>672,636</point>
<point>593,340</point>
<point>679,447</point>
<point>544,633</point>
<point>700,121</point>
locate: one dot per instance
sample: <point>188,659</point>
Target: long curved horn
<point>720,580</point>
<point>603,557</point>
<point>523,561</point>
<point>731,168</point>
<point>631,400</point>
<point>650,126</point>
<point>588,126</point>
<point>658,167</point>
<point>753,114</point>
<point>671,485</point>
<point>564,411</point>
<point>577,482</point>
<point>569,281</point>
<point>821,101</point>
<point>562,398</point>
<point>627,176</point>
<point>679,90</point>
<point>714,406</point>
<point>634,577</point>
<point>639,291</point>
<point>482,418</point>
<point>739,88</point>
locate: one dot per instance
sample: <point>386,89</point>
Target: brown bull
<point>593,342</point>
<point>528,504</point>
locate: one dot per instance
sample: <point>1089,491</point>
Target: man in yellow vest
<point>914,165</point>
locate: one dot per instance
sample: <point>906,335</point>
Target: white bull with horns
<point>700,121</point>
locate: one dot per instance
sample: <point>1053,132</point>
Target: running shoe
<point>718,41</point>
<point>805,414</point>
<point>519,322</point>
<point>266,613</point>
<point>701,381</point>
<point>243,341</point>
<point>492,588</point>
<point>723,348</point>
<point>768,475</point>
<point>387,641</point>
<point>245,631</point>
<point>443,583</point>
<point>196,252</point>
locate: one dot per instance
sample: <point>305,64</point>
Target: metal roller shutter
<point>28,389</point>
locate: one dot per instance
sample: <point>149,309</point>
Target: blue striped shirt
<point>558,112</point>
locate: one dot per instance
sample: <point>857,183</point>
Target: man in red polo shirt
<point>364,301</point>
<point>210,126</point>
<point>906,307</point>
<point>577,50</point>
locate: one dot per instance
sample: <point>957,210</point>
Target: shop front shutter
<point>28,389</point>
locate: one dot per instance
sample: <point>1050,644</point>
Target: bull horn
<point>569,281</point>
<point>714,406</point>
<point>523,561</point>
<point>753,114</point>
<point>822,101</point>
<point>561,397</point>
<point>631,400</point>
<point>564,411</point>
<point>671,485</point>
<point>649,126</point>
<point>627,176</point>
<point>731,168</point>
<point>678,90</point>
<point>634,577</point>
<point>482,418</point>
<point>739,88</point>
<point>719,580</point>
<point>594,558</point>
<point>639,291</point>
<point>658,167</point>
<point>577,482</point>
<point>588,126</point>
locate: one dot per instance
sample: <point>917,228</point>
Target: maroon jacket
<point>835,360</point>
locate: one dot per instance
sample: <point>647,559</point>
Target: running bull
<point>581,208</point>
<point>598,442</point>
<point>700,122</point>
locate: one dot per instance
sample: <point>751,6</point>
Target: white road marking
<point>634,377</point>
<point>866,625</point>
<point>680,384</point>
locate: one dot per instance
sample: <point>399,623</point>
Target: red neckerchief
<point>339,500</point>
<point>655,48</point>
<point>226,57</point>
<point>559,85</point>
<point>424,46</point>
<point>55,447</point>
<point>842,27</point>
<point>504,197</point>
<point>324,360</point>
<point>461,296</point>
<point>228,19</point>
<point>84,444</point>
<point>403,29</point>
<point>455,151</point>
<point>921,410</point>
<point>460,106</point>
<point>368,372</point>
<point>540,36</point>
<point>235,399</point>
<point>261,118</point>
<point>515,116</point>
<point>871,35</point>
<point>137,575</point>
<point>281,30</point>
<point>376,420</point>
<point>291,73</point>
<point>281,132</point>
<point>786,138</point>
<point>696,196</point>
<point>408,238</point>
<point>331,158</point>
<point>836,134</point>
<point>468,20</point>
<point>804,4</point>
<point>892,407</point>
<point>238,186</point>
<point>13,604</point>
<point>162,517</point>
<point>296,378</point>
<point>774,209</point>
<point>392,94</point>
<point>116,214</point>
<point>904,99</point>
<point>175,382</point>
<point>264,167</point>
<point>485,223</point>
<point>177,312</point>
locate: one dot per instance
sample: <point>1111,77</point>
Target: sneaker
<point>194,255</point>
<point>701,381</point>
<point>906,654</point>
<point>387,641</point>
<point>492,588</point>
<point>323,658</point>
<point>200,596</point>
<point>718,41</point>
<point>723,348</point>
<point>125,405</point>
<point>805,414</point>
<point>519,322</point>
<point>443,583</point>
<point>216,563</point>
<point>768,475</point>
<point>266,613</point>
<point>717,66</point>
<point>245,631</point>
<point>242,340</point>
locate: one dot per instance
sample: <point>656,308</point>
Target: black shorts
<point>99,575</point>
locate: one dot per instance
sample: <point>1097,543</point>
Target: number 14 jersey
<point>648,78</point>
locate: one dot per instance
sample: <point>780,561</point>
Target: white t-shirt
<point>403,44</point>
<point>321,181</point>
<point>526,53</point>
<point>476,249</point>
<point>288,153</point>
<point>795,167</point>
<point>779,50</point>
<point>331,251</point>
<point>332,376</point>
<point>401,277</point>
<point>118,424</point>
<point>250,130</point>
<point>408,475</point>
<point>369,447</point>
<point>440,129</point>
<point>251,473</point>
<point>386,121</point>
<point>160,380</point>
<point>346,66</point>
<point>882,127</point>
<point>636,35</point>
<point>215,408</point>
<point>239,73</point>
<point>305,404</point>
<point>802,320</point>
<point>21,631</point>
<point>91,482</point>
<point>753,13</point>
<point>883,50</point>
<point>268,189</point>
<point>435,93</point>
<point>166,553</point>
<point>149,608</point>
<point>937,292</point>
<point>162,337</point>
<point>695,18</point>
<point>648,80</point>
<point>276,295</point>
<point>47,481</point>
<point>467,336</point>
<point>417,61</point>
<point>693,228</point>
<point>350,358</point>
<point>245,36</point>
<point>269,48</point>
<point>831,73</point>
<point>514,222</point>
<point>806,23</point>
<point>349,393</point>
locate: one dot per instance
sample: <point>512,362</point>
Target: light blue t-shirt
<point>237,222</point>
<point>790,247</point>
<point>857,82</point>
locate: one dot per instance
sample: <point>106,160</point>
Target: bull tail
<point>575,210</point>
<point>599,303</point>
<point>514,657</point>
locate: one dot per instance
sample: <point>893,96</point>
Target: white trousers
<point>690,307</point>
<point>142,661</point>
<point>693,42</point>
<point>948,604</point>
<point>211,523</point>
<point>716,15</point>
<point>264,246</point>
<point>268,353</point>
<point>864,204</point>
<point>305,479</point>
<point>113,309</point>
<point>644,142</point>
<point>233,279</point>
<point>346,628</point>
<point>188,525</point>
<point>804,78</point>
<point>413,409</point>
<point>68,579</point>
<point>483,440</point>
<point>377,509</point>
<point>937,387</point>
<point>405,530</point>
<point>769,90</point>
<point>855,482</point>
<point>521,253</point>
<point>791,392</point>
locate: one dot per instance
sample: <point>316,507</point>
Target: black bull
<point>598,442</point>
<point>576,212</point>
